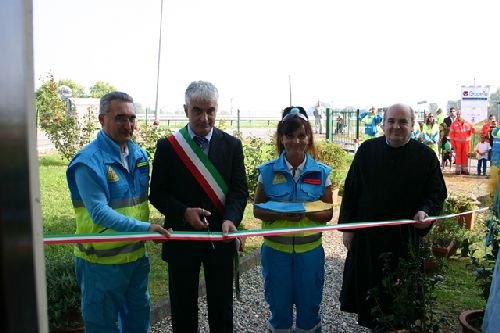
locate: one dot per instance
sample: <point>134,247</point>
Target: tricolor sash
<point>200,167</point>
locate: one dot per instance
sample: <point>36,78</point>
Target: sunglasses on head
<point>294,113</point>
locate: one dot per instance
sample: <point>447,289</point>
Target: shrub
<point>446,230</point>
<point>337,158</point>
<point>60,124</point>
<point>404,299</point>
<point>459,203</point>
<point>63,292</point>
<point>256,152</point>
<point>146,136</point>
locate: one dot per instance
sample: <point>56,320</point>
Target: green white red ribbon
<point>217,236</point>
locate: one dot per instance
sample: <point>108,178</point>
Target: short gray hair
<point>113,96</point>
<point>201,90</point>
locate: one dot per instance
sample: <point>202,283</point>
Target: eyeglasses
<point>294,113</point>
<point>121,118</point>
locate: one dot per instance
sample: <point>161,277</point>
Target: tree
<point>61,126</point>
<point>433,107</point>
<point>454,104</point>
<point>76,89</point>
<point>494,102</point>
<point>101,88</point>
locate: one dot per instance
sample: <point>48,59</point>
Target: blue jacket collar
<point>280,164</point>
<point>113,150</point>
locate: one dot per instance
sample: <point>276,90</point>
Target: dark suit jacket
<point>173,188</point>
<point>448,121</point>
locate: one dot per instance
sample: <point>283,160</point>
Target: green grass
<point>458,292</point>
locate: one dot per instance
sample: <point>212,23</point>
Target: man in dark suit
<point>451,117</point>
<point>199,183</point>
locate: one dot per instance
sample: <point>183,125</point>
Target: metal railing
<point>344,128</point>
<point>232,120</point>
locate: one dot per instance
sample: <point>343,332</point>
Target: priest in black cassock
<point>391,177</point>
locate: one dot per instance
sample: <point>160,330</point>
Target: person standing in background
<point>430,131</point>
<point>439,116</point>
<point>451,118</point>
<point>371,119</point>
<point>460,136</point>
<point>318,124</point>
<point>482,150</point>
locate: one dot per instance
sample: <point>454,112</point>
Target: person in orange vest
<point>460,135</point>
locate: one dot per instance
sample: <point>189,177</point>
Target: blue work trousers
<point>115,298</point>
<point>293,278</point>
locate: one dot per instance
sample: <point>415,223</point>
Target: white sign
<point>474,106</point>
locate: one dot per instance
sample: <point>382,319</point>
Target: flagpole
<point>290,87</point>
<point>157,112</point>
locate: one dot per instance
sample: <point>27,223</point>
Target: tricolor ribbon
<point>217,236</point>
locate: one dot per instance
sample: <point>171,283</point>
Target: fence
<point>232,120</point>
<point>344,128</point>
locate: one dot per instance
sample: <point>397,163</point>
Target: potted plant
<point>63,292</point>
<point>443,237</point>
<point>449,234</point>
<point>460,203</point>
<point>404,301</point>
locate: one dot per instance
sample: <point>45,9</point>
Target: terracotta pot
<point>431,265</point>
<point>444,252</point>
<point>467,220</point>
<point>468,317</point>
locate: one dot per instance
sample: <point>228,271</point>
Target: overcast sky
<point>357,53</point>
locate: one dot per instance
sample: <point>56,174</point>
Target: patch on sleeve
<point>112,177</point>
<point>313,178</point>
<point>279,178</point>
<point>143,166</point>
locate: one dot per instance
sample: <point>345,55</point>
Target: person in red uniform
<point>460,135</point>
<point>486,127</point>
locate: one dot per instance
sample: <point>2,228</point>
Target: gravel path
<point>251,312</point>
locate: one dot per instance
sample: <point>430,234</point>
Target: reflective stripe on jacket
<point>460,132</point>
<point>126,193</point>
<point>279,185</point>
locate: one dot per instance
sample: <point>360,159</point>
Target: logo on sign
<point>471,94</point>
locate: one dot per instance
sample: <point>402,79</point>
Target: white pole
<point>157,112</point>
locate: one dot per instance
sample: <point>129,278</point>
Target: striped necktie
<point>202,142</point>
